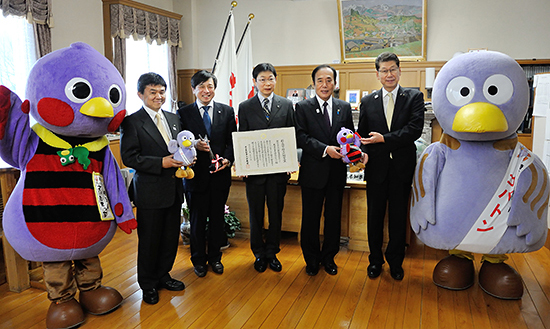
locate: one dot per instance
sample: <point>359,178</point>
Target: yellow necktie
<point>161,129</point>
<point>389,110</point>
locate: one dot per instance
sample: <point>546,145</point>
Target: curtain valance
<point>126,21</point>
<point>39,11</point>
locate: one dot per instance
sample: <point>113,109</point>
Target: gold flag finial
<point>250,16</point>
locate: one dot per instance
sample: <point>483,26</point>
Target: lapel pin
<point>375,96</point>
<point>338,112</point>
<point>318,111</point>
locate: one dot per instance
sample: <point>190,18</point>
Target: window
<point>142,57</point>
<point>17,52</point>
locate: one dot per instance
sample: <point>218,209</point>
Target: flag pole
<point>250,17</point>
<point>233,5</point>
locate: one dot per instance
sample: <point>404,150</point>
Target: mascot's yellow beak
<point>480,117</point>
<point>349,136</point>
<point>97,107</point>
<point>186,143</point>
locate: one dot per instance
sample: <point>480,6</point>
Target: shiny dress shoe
<point>374,270</point>
<point>101,300</point>
<point>217,267</point>
<point>260,264</point>
<point>275,265</point>
<point>200,270</point>
<point>64,315</point>
<point>150,296</point>
<point>172,284</point>
<point>397,273</point>
<point>312,270</point>
<point>331,268</point>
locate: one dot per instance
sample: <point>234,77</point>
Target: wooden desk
<point>17,269</point>
<point>354,211</point>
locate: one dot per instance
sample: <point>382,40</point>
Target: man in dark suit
<point>393,117</point>
<point>322,171</point>
<point>207,192</point>
<point>265,111</point>
<point>156,192</point>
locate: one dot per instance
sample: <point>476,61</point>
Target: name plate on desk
<point>266,151</point>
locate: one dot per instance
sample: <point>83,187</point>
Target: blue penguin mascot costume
<point>70,196</point>
<point>479,190</point>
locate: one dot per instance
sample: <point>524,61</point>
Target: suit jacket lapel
<point>398,104</point>
<point>151,129</point>
<point>257,109</point>
<point>275,107</point>
<point>196,117</point>
<point>336,125</point>
<point>173,124</point>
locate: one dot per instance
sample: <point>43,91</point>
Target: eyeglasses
<point>272,80</point>
<point>393,70</point>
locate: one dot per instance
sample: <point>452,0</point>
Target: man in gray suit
<point>156,192</point>
<point>265,111</point>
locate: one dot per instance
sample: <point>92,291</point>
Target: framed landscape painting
<point>370,27</point>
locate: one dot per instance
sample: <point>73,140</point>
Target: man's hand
<point>373,139</point>
<point>225,164</point>
<point>364,158</point>
<point>334,152</point>
<point>169,162</point>
<point>202,146</point>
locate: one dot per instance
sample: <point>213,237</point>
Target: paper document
<point>266,151</point>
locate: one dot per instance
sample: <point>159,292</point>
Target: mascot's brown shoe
<point>101,300</point>
<point>64,315</point>
<point>454,273</point>
<point>500,280</point>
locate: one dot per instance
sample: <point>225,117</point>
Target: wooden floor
<point>243,298</point>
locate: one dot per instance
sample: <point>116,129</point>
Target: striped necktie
<point>266,108</point>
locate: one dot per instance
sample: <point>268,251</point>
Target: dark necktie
<point>266,108</point>
<point>325,114</point>
<point>206,120</point>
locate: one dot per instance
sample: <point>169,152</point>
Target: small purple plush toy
<point>184,151</point>
<point>349,148</point>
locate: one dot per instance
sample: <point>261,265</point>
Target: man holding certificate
<point>265,111</point>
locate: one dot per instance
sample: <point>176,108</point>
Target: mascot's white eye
<point>460,91</point>
<point>115,95</point>
<point>498,89</point>
<point>63,160</point>
<point>78,90</point>
<point>71,158</point>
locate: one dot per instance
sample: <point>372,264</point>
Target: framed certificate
<point>266,151</point>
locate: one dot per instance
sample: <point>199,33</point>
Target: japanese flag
<point>226,68</point>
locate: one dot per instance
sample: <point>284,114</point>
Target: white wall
<point>290,32</point>
<point>82,20</point>
<point>297,32</point>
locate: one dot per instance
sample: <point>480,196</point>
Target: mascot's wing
<point>424,186</point>
<point>173,146</point>
<point>17,140</point>
<point>118,194</point>
<point>530,204</point>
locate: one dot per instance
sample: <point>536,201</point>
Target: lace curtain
<point>128,21</point>
<point>39,13</point>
